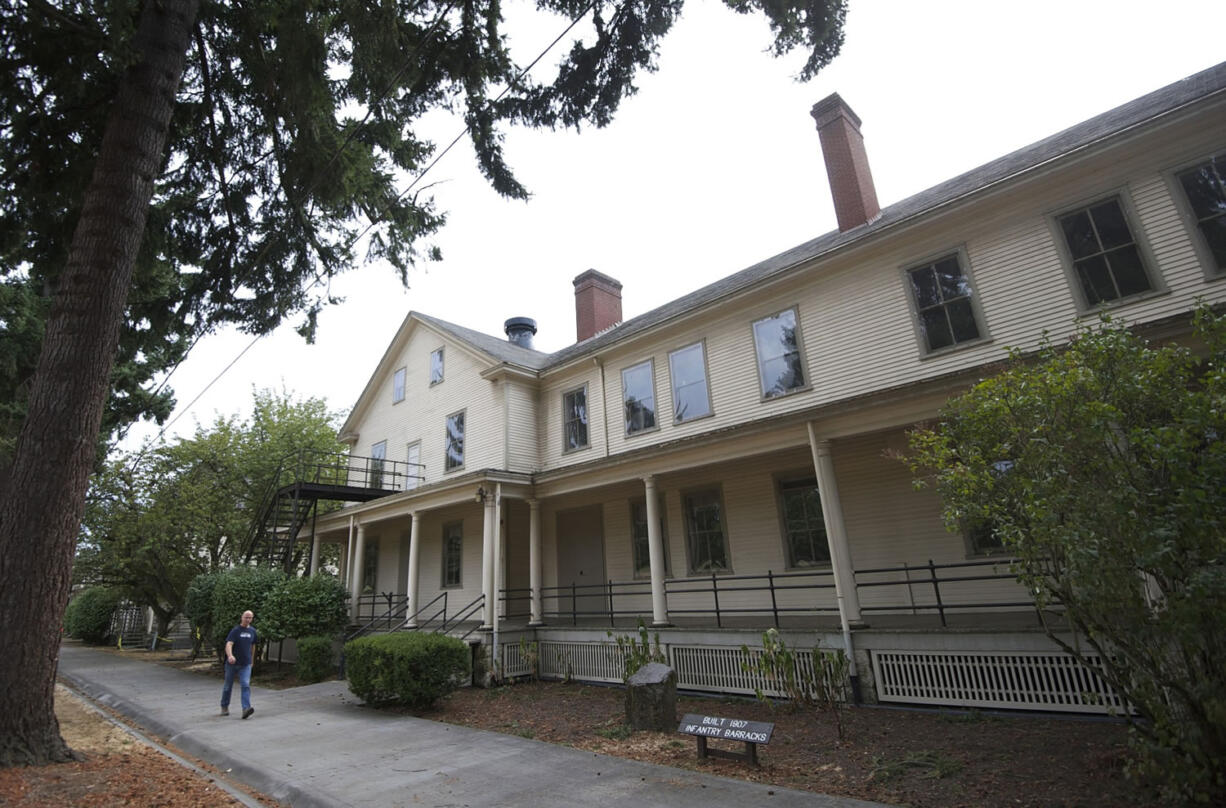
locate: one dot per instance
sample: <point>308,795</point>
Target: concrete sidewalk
<point>317,746</point>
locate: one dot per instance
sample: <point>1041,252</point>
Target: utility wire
<point>374,222</point>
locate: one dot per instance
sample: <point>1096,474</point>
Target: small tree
<point>303,607</point>
<point>1100,466</point>
<point>198,606</point>
<point>88,616</point>
<point>235,592</point>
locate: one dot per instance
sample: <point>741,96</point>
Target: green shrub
<point>88,616</point>
<point>305,607</point>
<point>637,652</point>
<point>198,606</point>
<point>238,590</point>
<point>409,668</point>
<point>314,658</point>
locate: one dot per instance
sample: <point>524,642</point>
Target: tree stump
<point>651,698</point>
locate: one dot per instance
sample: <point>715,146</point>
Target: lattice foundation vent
<point>1006,680</point>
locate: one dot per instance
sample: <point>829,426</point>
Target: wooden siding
<point>522,437</point>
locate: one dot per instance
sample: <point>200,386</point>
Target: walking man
<point>239,643</point>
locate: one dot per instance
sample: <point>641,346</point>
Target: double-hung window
<point>780,364</point>
<point>688,367</point>
<point>378,453</point>
<point>1106,257</point>
<point>398,386</point>
<point>639,397</point>
<point>454,450</point>
<point>436,366</point>
<point>574,420</point>
<point>1204,188</point>
<point>944,306</point>
<point>453,553</point>
<point>804,528</point>
<point>705,538</point>
<point>414,469</point>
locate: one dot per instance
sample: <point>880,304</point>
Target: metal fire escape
<point>306,480</point>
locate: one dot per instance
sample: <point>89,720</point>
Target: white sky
<point>714,165</point>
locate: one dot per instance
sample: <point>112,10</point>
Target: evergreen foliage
<point>1100,464</point>
<point>315,659</point>
<point>301,607</point>
<point>88,616</point>
<point>407,668</point>
<point>239,590</point>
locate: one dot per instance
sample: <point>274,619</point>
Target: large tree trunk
<point>42,494</point>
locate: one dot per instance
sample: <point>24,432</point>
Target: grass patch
<point>927,764</point>
<point>618,732</point>
<point>515,728</point>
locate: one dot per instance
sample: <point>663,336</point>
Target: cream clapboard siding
<point>522,435</point>
<point>430,560</point>
<point>423,413</point>
<point>857,325</point>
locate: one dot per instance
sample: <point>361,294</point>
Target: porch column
<point>534,560</point>
<point>836,532</point>
<point>314,567</point>
<point>346,570</point>
<point>359,558</point>
<point>414,555</point>
<point>655,551</point>
<point>490,527</point>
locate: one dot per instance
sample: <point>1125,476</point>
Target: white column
<point>314,567</point>
<point>489,527</point>
<point>500,550</point>
<point>836,532</point>
<point>655,551</point>
<point>534,560</point>
<point>414,556</point>
<point>346,571</point>
<point>359,558</point>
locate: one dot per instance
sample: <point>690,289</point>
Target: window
<point>688,367</point>
<point>436,366</point>
<point>398,386</point>
<point>414,469</point>
<point>638,537</point>
<point>1205,189</point>
<point>943,307</point>
<point>454,452</point>
<point>1106,258</point>
<point>378,453</point>
<point>574,420</point>
<point>804,529</point>
<point>453,553</point>
<point>780,367</point>
<point>704,532</point>
<point>639,397</point>
<point>370,566</point>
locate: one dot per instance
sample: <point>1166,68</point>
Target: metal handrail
<point>463,614</point>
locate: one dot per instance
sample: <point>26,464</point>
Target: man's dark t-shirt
<point>243,639</point>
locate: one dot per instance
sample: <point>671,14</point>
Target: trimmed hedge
<point>88,616</point>
<point>407,668</point>
<point>314,658</point>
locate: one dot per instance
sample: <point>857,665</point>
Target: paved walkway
<point>317,746</point>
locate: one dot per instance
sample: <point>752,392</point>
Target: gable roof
<point>503,350</point>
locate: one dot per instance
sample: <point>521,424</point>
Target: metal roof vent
<point>520,331</point>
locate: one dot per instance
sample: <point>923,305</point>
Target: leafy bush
<point>237,591</point>
<point>88,616</point>
<point>637,652</point>
<point>303,607</point>
<point>409,668</point>
<point>198,606</point>
<point>314,658</point>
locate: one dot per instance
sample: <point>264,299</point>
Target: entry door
<point>581,563</point>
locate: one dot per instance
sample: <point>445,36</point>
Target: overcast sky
<point>715,165</point>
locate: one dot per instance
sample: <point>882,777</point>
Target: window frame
<point>633,503</point>
<point>687,522</point>
<point>795,481</point>
<point>650,362</point>
<point>442,366</point>
<point>806,383</point>
<point>959,254</point>
<point>447,466</point>
<point>411,480</point>
<point>398,384</point>
<point>587,444</point>
<point>701,345</point>
<point>459,538</point>
<point>1187,213</point>
<point>1139,239</point>
<point>377,468</point>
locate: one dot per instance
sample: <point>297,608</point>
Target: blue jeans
<point>244,684</point>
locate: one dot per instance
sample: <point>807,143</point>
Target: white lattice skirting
<point>1005,680</point>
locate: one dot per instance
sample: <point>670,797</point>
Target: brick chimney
<point>598,304</point>
<point>851,183</point>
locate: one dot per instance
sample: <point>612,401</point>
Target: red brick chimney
<point>851,183</point>
<point>598,304</point>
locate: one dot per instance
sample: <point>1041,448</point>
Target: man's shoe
<point>247,713</point>
<point>225,710</point>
